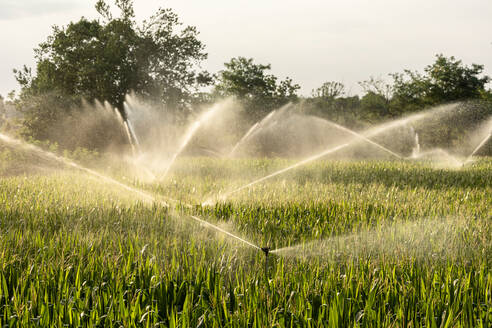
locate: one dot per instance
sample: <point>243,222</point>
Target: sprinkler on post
<point>266,250</point>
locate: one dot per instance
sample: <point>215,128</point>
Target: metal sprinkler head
<point>266,250</point>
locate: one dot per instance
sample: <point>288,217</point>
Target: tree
<point>375,104</point>
<point>106,59</point>
<point>327,102</point>
<point>258,91</point>
<point>329,89</point>
<point>447,80</point>
<point>377,86</point>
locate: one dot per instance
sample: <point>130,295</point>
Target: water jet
<point>361,136</point>
<point>141,193</point>
<point>256,127</point>
<point>480,145</point>
<point>189,135</point>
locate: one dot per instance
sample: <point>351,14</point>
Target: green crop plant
<point>76,251</point>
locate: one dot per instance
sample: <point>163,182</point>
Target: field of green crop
<point>393,244</point>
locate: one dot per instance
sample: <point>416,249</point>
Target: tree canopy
<point>107,58</point>
<point>250,83</point>
<point>446,80</point>
<point>159,59</point>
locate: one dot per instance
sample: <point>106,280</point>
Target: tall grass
<point>78,252</point>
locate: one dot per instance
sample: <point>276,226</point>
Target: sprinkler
<point>266,250</point>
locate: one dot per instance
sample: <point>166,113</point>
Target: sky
<point>310,41</point>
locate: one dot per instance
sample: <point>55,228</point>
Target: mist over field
<point>139,187</point>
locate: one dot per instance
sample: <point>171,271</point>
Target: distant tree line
<point>106,59</point>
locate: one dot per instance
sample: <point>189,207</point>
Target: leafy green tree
<point>447,80</point>
<point>258,91</point>
<point>375,106</point>
<point>375,103</point>
<point>106,59</point>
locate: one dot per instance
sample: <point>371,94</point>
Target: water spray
<point>256,127</point>
<point>67,162</point>
<point>132,139</point>
<point>416,143</point>
<point>189,136</point>
<point>366,139</point>
<point>433,239</point>
<point>251,130</point>
<point>266,250</point>
<point>363,135</point>
<point>133,135</point>
<point>146,196</point>
<point>143,194</point>
<point>213,226</point>
<point>310,159</point>
<point>480,145</point>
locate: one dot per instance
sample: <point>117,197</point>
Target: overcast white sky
<point>311,41</point>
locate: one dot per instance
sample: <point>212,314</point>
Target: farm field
<point>207,164</point>
<point>352,244</point>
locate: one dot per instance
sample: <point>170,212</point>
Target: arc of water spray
<point>416,148</point>
<point>418,238</point>
<point>132,139</point>
<point>182,146</point>
<point>367,134</point>
<point>362,137</point>
<point>224,231</point>
<point>310,159</point>
<point>132,132</point>
<point>139,192</point>
<point>189,135</point>
<point>260,124</point>
<point>132,136</point>
<point>67,162</point>
<point>480,145</point>
<point>127,130</point>
<point>253,130</point>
